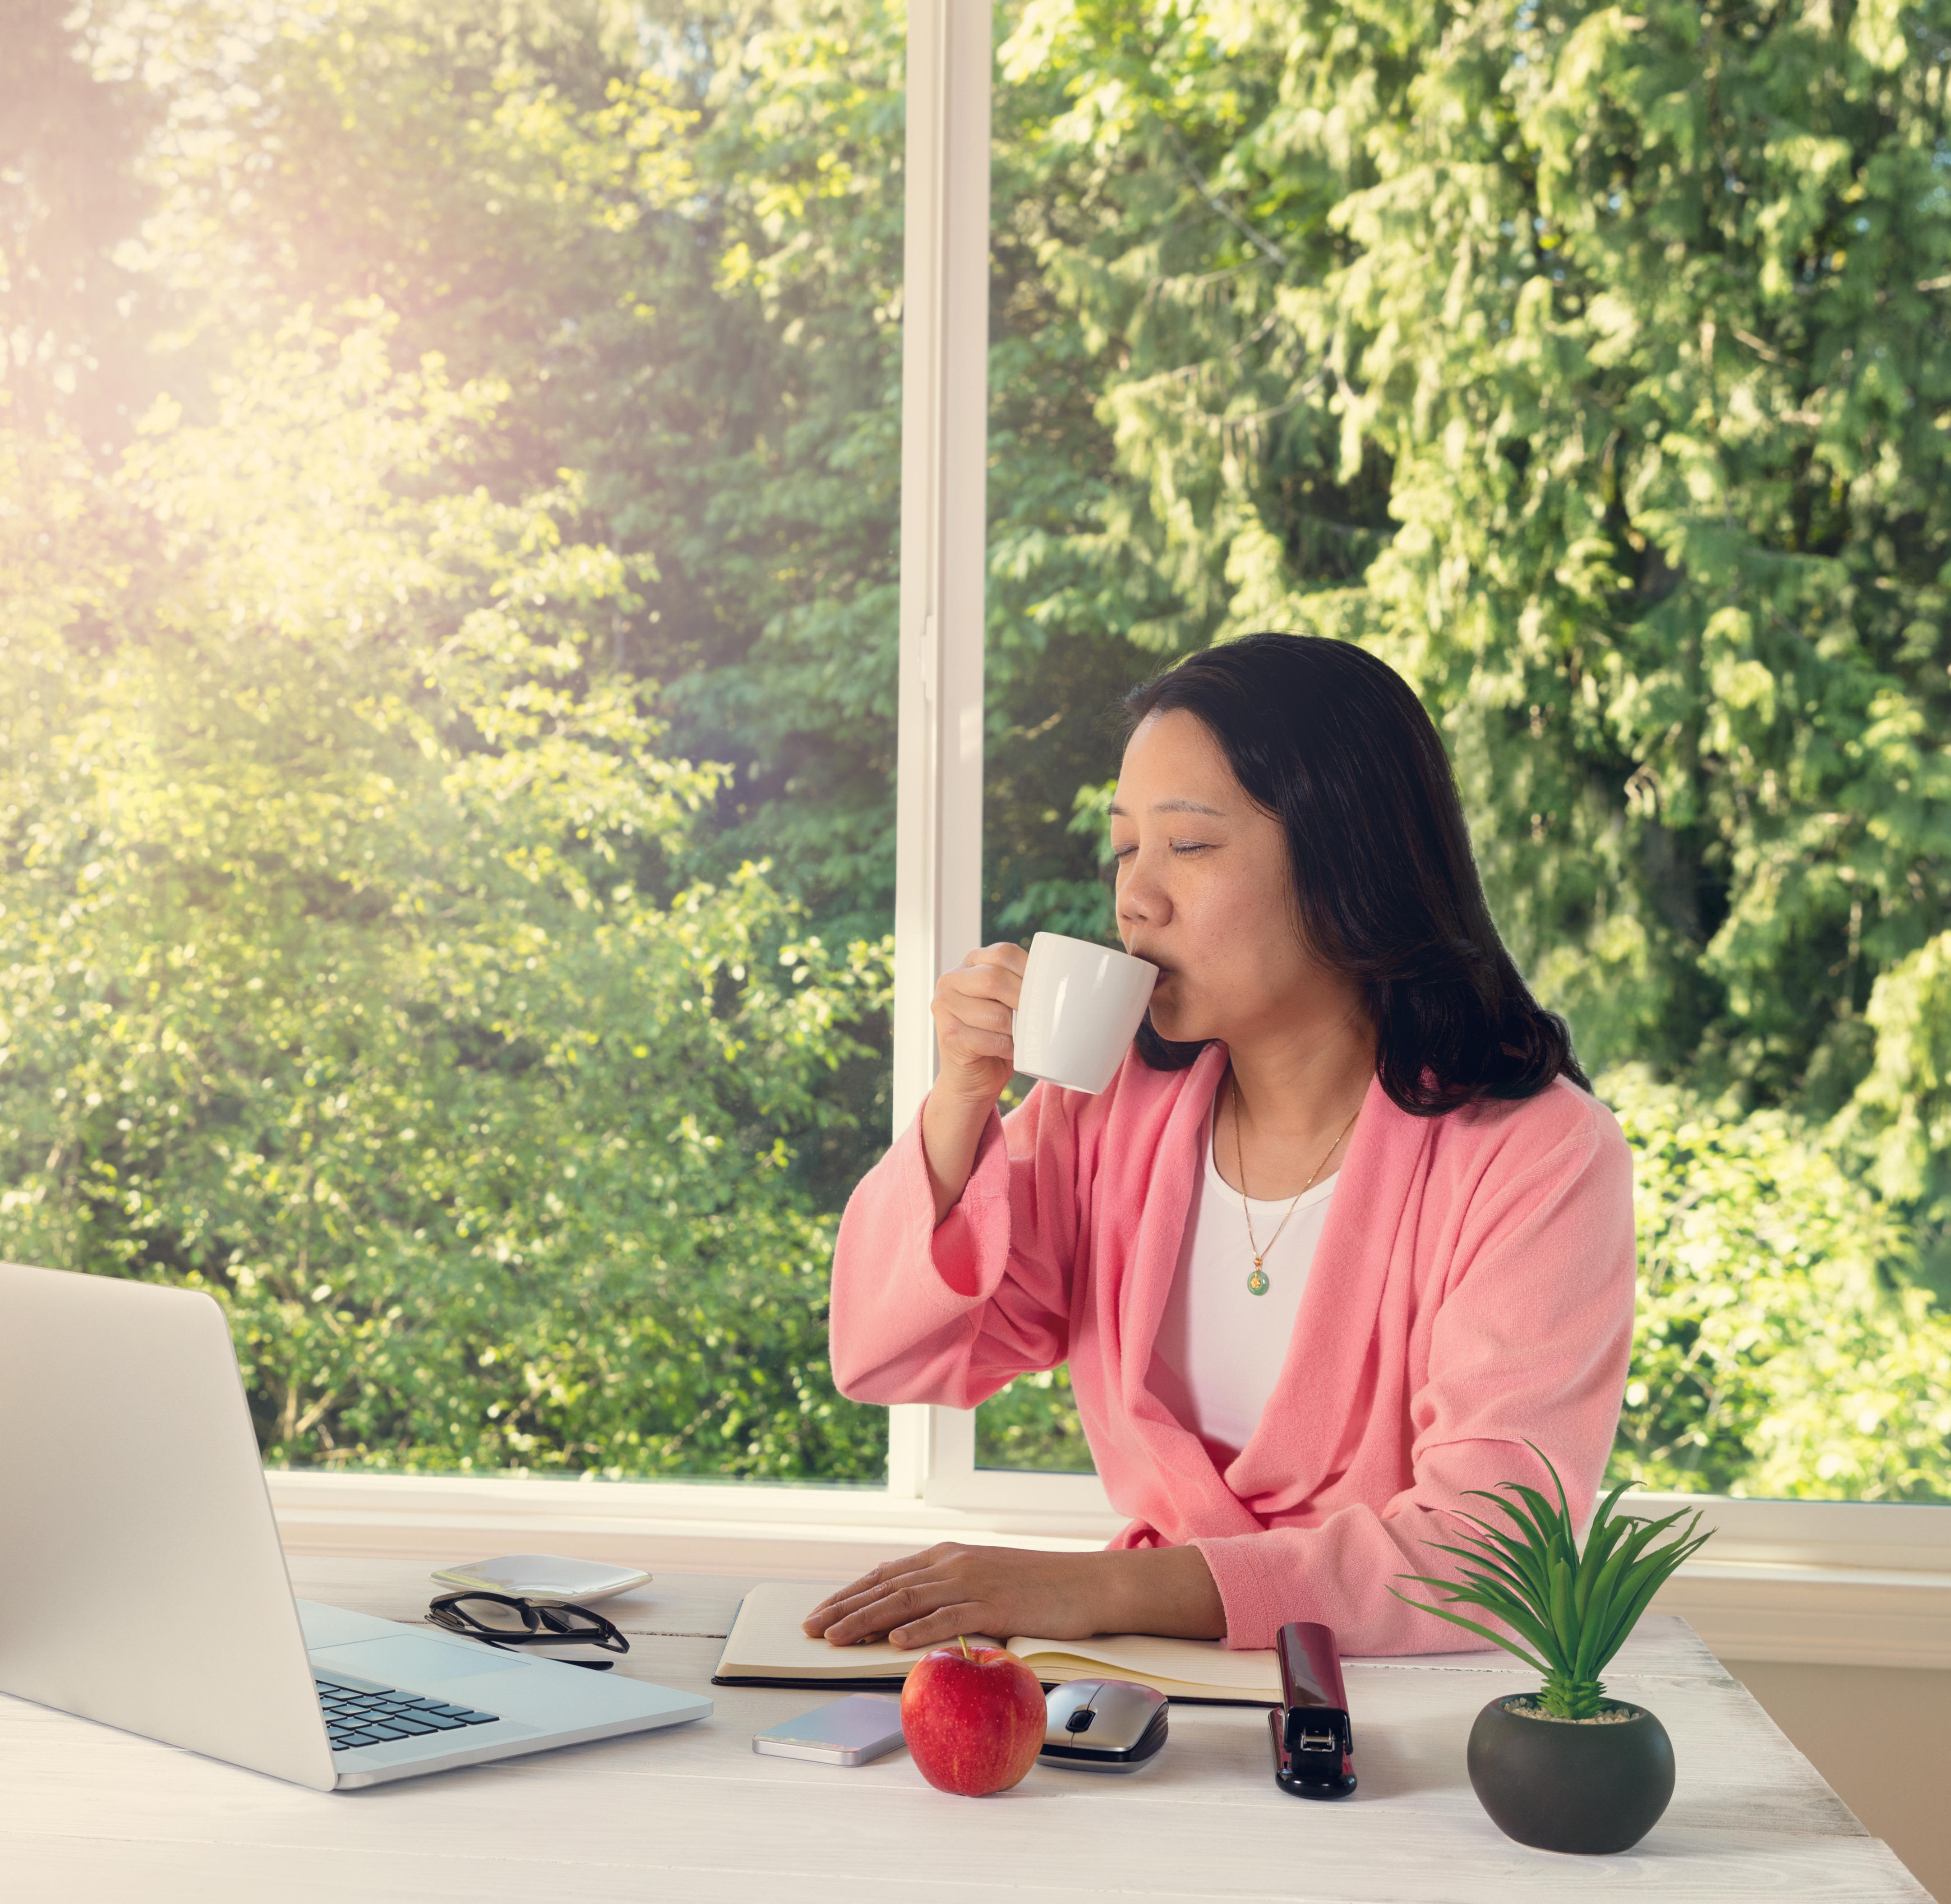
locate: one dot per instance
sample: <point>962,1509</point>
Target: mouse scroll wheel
<point>1079,1721</point>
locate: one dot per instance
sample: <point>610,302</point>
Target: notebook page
<point>1183,1669</point>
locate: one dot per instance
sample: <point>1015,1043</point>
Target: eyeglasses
<point>503,1621</point>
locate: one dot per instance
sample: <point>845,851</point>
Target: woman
<point>1346,1234</point>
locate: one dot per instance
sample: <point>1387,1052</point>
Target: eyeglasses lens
<point>491,1616</point>
<point>573,1621</point>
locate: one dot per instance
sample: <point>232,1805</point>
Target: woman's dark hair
<point>1331,742</point>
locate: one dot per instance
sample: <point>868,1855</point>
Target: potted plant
<point>1564,1768</point>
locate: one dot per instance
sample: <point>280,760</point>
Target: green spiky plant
<point>1575,1608</point>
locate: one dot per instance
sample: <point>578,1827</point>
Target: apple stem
<point>963,1644</point>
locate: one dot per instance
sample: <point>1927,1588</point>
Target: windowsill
<point>809,1532</point>
<point>1814,1582</point>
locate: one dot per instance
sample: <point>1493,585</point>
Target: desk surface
<point>691,1813</point>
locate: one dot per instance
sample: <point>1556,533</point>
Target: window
<point>1171,241</point>
<point>359,891</point>
<point>447,884</point>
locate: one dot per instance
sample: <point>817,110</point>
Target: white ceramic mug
<point>1082,1005</point>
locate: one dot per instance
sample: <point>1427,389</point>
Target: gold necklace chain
<point>1257,1282</point>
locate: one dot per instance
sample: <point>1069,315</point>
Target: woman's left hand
<point>929,1598</point>
<point>951,1589</point>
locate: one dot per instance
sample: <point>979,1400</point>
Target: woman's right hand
<point>971,1009</point>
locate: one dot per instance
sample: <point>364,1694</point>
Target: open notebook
<point>765,1647</point>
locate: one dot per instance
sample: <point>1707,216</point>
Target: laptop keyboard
<point>356,1717</point>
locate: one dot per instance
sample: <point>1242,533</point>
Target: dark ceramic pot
<point>1564,1787</point>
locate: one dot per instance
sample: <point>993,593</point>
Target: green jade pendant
<point>1257,1282</point>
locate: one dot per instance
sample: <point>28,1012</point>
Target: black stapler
<point>1314,1745</point>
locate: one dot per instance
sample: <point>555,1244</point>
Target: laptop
<point>145,1587</point>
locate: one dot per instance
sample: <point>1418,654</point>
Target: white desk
<point>87,1814</point>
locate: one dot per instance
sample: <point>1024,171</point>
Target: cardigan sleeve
<point>949,1312</point>
<point>1530,1344</point>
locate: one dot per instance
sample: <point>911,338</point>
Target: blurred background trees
<point>453,457</point>
<point>355,966</point>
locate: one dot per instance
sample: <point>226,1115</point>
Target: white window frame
<point>944,554</point>
<point>1793,1579</point>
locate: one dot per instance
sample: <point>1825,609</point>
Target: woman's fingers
<point>854,1594</point>
<point>976,1028</point>
<point>880,1609</point>
<point>1005,953</point>
<point>912,1612</point>
<point>975,1036</point>
<point>919,1598</point>
<point>871,1586</point>
<point>830,1616</point>
<point>816,1623</point>
<point>927,1598</point>
<point>958,1041</point>
<point>964,1619</point>
<point>995,972</point>
<point>978,1014</point>
<point>972,1007</point>
<point>880,1613</point>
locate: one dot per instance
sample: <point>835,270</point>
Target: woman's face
<point>1205,892</point>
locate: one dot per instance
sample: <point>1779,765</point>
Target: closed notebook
<point>765,1647</point>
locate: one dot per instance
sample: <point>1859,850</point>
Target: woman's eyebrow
<point>1171,806</point>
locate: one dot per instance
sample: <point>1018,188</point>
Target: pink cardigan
<point>1472,1289</point>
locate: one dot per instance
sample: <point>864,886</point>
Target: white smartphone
<point>847,1731</point>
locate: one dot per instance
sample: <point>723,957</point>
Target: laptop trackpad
<point>410,1660</point>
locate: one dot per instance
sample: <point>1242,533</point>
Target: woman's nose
<point>1141,899</point>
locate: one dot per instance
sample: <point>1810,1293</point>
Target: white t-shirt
<point>1220,1347</point>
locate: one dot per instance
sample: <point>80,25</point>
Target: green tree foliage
<point>76,309</point>
<point>1590,365</point>
<point>1587,364</point>
<point>1034,1424</point>
<point>1780,1349</point>
<point>352,965</point>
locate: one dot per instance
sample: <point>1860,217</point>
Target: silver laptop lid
<point>144,1585</point>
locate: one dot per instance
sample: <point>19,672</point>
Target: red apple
<point>974,1718</point>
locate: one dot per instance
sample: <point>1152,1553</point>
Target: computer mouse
<point>1103,1725</point>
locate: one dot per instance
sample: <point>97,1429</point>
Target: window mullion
<point>945,429</point>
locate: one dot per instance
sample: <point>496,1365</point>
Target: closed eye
<point>1183,848</point>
